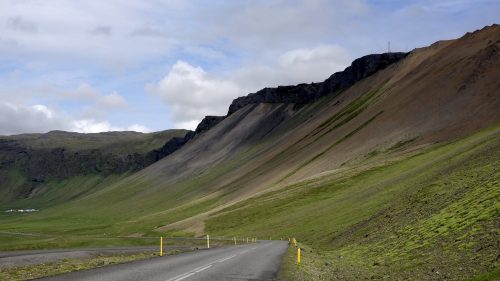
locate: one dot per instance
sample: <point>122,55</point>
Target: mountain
<point>385,170</point>
<point>30,162</point>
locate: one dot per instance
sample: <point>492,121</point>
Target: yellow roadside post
<point>298,255</point>
<point>234,240</point>
<point>208,241</point>
<point>247,240</point>
<point>295,242</point>
<point>161,246</point>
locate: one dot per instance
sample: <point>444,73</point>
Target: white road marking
<point>199,269</point>
<point>190,273</point>
<point>185,276</point>
<point>225,259</point>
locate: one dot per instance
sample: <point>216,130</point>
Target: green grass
<point>489,276</point>
<point>328,148</point>
<point>349,112</point>
<point>68,265</point>
<point>433,214</point>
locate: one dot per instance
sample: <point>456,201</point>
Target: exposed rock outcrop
<point>170,146</point>
<point>305,93</point>
<point>175,143</point>
<point>208,122</point>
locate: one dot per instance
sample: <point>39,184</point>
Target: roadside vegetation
<point>432,215</point>
<point>29,272</point>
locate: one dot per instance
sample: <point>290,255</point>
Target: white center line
<point>190,273</point>
<point>185,276</point>
<point>225,259</point>
<point>199,269</point>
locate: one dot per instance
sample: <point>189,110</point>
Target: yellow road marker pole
<point>161,246</point>
<point>298,255</point>
<point>208,241</point>
<point>234,240</point>
<point>247,240</point>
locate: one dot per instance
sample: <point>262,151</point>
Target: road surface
<point>259,261</point>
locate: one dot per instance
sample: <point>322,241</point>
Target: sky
<point>150,65</point>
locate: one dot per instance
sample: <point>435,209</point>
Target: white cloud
<point>19,24</point>
<point>302,65</point>
<point>191,94</point>
<point>313,64</point>
<point>17,119</point>
<point>92,126</point>
<point>84,91</point>
<point>113,100</point>
<point>43,109</point>
<point>87,93</point>
<point>65,52</point>
<point>138,128</point>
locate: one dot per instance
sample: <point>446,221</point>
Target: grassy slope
<point>434,211</point>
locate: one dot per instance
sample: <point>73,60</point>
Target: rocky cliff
<point>305,93</point>
<point>297,94</point>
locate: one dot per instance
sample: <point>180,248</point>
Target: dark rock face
<point>170,147</point>
<point>208,122</point>
<point>59,163</point>
<point>301,93</point>
<point>359,69</point>
<point>305,93</point>
<point>175,143</point>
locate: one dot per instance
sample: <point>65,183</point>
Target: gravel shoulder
<point>31,257</point>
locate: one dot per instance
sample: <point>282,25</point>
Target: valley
<point>387,170</point>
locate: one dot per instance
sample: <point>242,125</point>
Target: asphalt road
<point>259,261</point>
